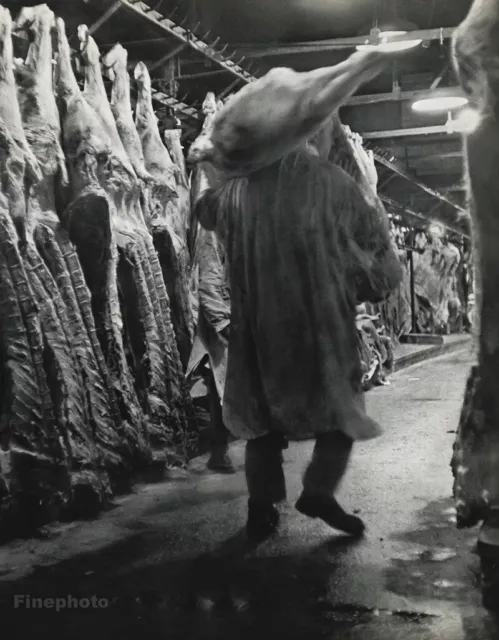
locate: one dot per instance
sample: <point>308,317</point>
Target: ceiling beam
<point>423,188</point>
<point>263,51</point>
<point>398,96</point>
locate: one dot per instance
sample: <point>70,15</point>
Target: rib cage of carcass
<point>91,378</point>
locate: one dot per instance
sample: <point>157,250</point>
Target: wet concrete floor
<point>171,561</point>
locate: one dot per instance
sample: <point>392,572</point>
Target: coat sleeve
<point>205,195</point>
<point>213,291</point>
<point>205,208</point>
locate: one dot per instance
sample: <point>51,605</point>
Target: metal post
<point>410,254</point>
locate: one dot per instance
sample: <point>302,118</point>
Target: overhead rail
<point>209,50</point>
<point>400,96</point>
<point>405,211</point>
<point>337,44</point>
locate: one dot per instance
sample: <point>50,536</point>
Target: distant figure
<point>209,351</point>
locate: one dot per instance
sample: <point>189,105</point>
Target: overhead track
<point>400,96</point>
<point>337,44</point>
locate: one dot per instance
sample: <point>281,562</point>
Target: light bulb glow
<point>467,121</point>
<point>434,105</point>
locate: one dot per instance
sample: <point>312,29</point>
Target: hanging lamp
<point>439,104</point>
<point>388,38</point>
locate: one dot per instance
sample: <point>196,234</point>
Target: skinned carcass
<point>115,65</point>
<point>183,213</point>
<point>129,294</point>
<point>277,113</point>
<point>85,403</point>
<point>173,407</point>
<point>167,226</point>
<point>475,462</point>
<point>34,458</point>
<point>87,146</point>
<point>115,62</point>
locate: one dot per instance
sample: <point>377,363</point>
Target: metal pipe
<point>412,285</point>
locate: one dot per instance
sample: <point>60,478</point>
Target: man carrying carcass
<point>304,247</point>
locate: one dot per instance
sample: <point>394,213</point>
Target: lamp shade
<point>381,40</point>
<point>439,104</point>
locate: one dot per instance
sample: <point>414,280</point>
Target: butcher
<point>209,350</point>
<point>304,247</point>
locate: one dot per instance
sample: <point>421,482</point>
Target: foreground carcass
<point>476,454</point>
<point>34,460</point>
<point>88,150</point>
<point>84,401</point>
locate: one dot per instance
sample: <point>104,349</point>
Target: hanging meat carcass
<point>155,197</point>
<point>115,65</point>
<point>166,216</point>
<point>116,62</point>
<point>34,456</point>
<point>85,402</point>
<point>155,358</point>
<point>173,142</point>
<point>88,218</point>
<point>476,453</point>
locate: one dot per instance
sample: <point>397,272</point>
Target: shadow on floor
<point>228,593</point>
<point>233,592</point>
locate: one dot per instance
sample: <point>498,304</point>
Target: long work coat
<point>213,308</point>
<point>303,248</point>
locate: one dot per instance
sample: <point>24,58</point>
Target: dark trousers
<point>265,474</point>
<point>219,435</point>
